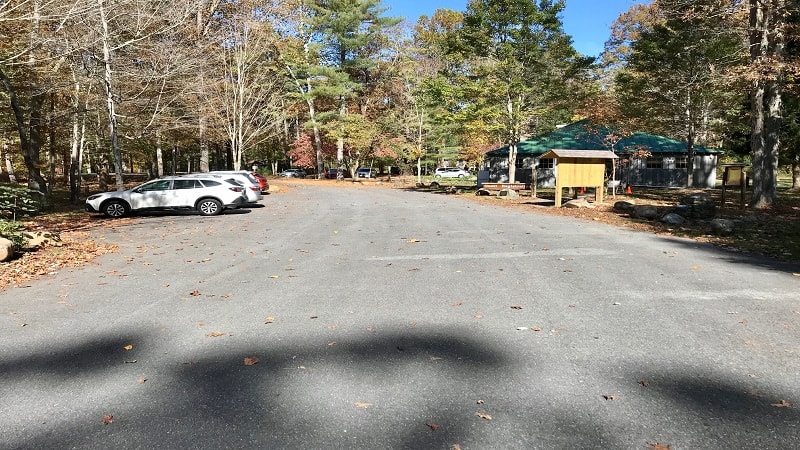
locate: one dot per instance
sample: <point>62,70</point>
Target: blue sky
<point>587,21</point>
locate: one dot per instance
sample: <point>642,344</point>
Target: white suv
<point>450,172</point>
<point>209,196</point>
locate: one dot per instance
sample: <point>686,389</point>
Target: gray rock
<point>508,193</point>
<point>645,212</point>
<point>722,227</point>
<point>578,203</point>
<point>673,219</point>
<point>699,206</point>
<point>483,192</point>
<point>624,206</point>
<point>6,249</point>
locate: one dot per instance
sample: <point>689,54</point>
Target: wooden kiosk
<point>735,176</point>
<point>580,168</point>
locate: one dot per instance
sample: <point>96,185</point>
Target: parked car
<point>255,184</point>
<point>262,182</point>
<point>366,172</point>
<point>293,173</point>
<point>244,179</point>
<point>450,172</point>
<point>208,195</point>
<point>332,174</point>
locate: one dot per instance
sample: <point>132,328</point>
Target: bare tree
<point>246,92</point>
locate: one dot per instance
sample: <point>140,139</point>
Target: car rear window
<point>210,183</point>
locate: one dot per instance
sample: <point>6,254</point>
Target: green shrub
<point>13,232</point>
<point>17,201</point>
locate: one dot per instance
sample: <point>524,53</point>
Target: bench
<point>501,186</point>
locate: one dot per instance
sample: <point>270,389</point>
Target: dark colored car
<point>332,174</point>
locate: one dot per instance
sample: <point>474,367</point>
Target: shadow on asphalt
<point>306,397</point>
<point>736,257</point>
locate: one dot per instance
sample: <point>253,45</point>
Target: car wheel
<point>209,207</point>
<point>460,176</point>
<point>437,176</point>
<point>115,208</point>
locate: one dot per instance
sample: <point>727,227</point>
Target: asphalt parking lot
<point>383,318</point>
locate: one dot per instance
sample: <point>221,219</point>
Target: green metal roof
<point>579,136</point>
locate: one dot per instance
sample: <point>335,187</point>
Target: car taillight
<point>236,189</point>
<point>254,188</point>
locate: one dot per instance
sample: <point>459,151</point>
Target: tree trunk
<point>202,128</point>
<point>30,146</point>
<point>9,167</point>
<point>766,45</point>
<point>796,171</point>
<point>108,78</point>
<point>74,158</point>
<point>340,139</point>
<point>690,138</point>
<point>512,163</point>
<point>159,156</point>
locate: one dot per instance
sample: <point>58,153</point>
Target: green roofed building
<point>645,159</point>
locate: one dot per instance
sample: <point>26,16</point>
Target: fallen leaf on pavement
<point>269,320</point>
<point>610,397</point>
<point>194,293</point>
<point>483,416</point>
<point>128,347</point>
<point>458,303</point>
<point>433,426</point>
<point>782,404</point>
<point>251,360</point>
<point>107,419</point>
<point>216,334</point>
<point>658,446</point>
<point>516,307</point>
<point>141,380</point>
<point>644,383</point>
<point>362,405</point>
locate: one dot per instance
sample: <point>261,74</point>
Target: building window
<point>655,163</point>
<point>547,163</point>
<point>520,163</point>
<point>681,162</point>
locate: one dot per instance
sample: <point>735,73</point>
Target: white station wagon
<point>209,196</point>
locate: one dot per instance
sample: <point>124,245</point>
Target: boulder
<point>624,206</point>
<point>673,219</point>
<point>482,191</point>
<point>722,227</point>
<point>6,249</point>
<point>645,212</point>
<point>699,206</point>
<point>508,193</point>
<point>578,203</point>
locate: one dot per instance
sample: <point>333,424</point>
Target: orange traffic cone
<point>628,190</point>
